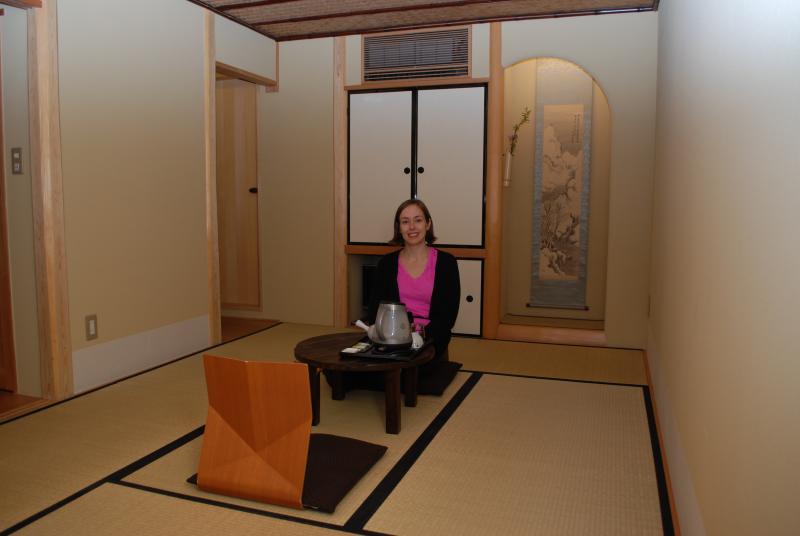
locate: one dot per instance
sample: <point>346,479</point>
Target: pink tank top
<point>416,292</point>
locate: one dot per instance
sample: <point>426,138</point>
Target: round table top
<point>323,352</point>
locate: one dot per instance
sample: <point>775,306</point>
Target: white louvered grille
<point>431,54</point>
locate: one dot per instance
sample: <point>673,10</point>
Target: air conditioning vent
<point>426,54</point>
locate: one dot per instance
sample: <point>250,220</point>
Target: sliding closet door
<point>450,162</point>
<point>380,162</point>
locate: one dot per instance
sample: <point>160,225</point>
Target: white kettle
<point>392,325</point>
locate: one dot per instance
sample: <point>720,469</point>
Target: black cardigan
<point>444,300</point>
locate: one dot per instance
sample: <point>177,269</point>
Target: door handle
<point>420,169</point>
<point>407,170</point>
<point>253,190</point>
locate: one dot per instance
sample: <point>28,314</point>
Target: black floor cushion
<point>335,465</point>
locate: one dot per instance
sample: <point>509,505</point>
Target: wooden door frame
<point>7,355</point>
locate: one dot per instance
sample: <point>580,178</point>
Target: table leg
<point>410,376</point>
<point>337,384</point>
<point>313,381</point>
<point>392,378</point>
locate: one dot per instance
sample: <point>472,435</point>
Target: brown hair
<point>397,239</point>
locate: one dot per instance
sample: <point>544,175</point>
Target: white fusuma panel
<point>450,162</point>
<point>380,154</point>
<point>469,309</point>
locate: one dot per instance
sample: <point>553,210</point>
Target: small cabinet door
<point>469,309</point>
<point>450,162</point>
<point>380,162</point>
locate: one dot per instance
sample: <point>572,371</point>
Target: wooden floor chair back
<point>256,439</point>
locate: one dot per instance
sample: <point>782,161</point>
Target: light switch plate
<point>91,327</point>
<point>16,161</point>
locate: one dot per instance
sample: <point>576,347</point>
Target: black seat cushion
<point>437,377</point>
<point>335,464</point>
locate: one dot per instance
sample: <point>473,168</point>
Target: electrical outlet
<point>91,327</point>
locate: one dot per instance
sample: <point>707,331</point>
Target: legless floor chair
<point>257,442</point>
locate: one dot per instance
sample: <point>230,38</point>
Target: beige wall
<point>296,186</point>
<point>131,94</point>
<point>723,335</point>
<point>520,92</point>
<point>13,45</point>
<point>620,52</point>
<point>241,47</point>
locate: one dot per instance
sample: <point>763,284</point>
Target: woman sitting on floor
<point>426,280</point>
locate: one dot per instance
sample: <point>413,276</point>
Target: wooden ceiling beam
<point>23,4</point>
<point>258,3</point>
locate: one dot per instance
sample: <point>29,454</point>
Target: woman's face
<point>413,225</point>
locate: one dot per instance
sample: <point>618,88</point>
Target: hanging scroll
<point>561,186</point>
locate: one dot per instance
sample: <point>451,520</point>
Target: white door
<point>380,160</point>
<point>450,162</point>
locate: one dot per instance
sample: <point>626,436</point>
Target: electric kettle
<point>392,325</point>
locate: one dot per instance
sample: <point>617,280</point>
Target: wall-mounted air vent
<point>423,54</point>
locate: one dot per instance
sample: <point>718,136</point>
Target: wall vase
<point>507,169</point>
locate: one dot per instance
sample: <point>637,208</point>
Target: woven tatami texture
<point>525,456</point>
<point>612,365</point>
<point>115,510</point>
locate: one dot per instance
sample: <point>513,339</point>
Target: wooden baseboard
<point>549,335</point>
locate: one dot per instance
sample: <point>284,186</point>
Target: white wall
<point>620,52</point>
<point>19,208</point>
<point>723,335</point>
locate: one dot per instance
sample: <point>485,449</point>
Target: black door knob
<point>253,190</point>
<point>407,170</point>
<point>470,298</point>
<point>420,169</point>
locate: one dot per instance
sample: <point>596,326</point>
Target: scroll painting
<point>561,186</point>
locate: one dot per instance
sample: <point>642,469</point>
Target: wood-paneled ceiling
<point>285,20</point>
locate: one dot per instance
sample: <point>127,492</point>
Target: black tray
<point>377,351</point>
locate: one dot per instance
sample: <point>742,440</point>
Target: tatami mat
<point>527,456</point>
<point>63,452</point>
<point>47,456</point>
<point>360,416</point>
<point>120,511</point>
<point>613,365</point>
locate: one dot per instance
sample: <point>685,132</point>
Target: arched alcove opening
<point>555,196</point>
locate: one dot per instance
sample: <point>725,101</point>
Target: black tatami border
<point>551,378</point>
<point>145,371</point>
<point>356,523</point>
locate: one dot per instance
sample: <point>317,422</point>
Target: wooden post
<point>494,199</point>
<point>212,239</point>
<point>48,203</point>
<point>340,282</point>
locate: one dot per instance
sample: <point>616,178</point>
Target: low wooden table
<point>322,353</point>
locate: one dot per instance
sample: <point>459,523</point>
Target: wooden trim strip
<point>368,249</point>
<point>48,203</point>
<point>416,82</point>
<point>210,128</point>
<point>245,5</point>
<point>340,275</point>
<point>670,494</point>
<point>8,365</point>
<point>374,11</point>
<point>571,336</point>
<point>247,76</point>
<point>494,198</point>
